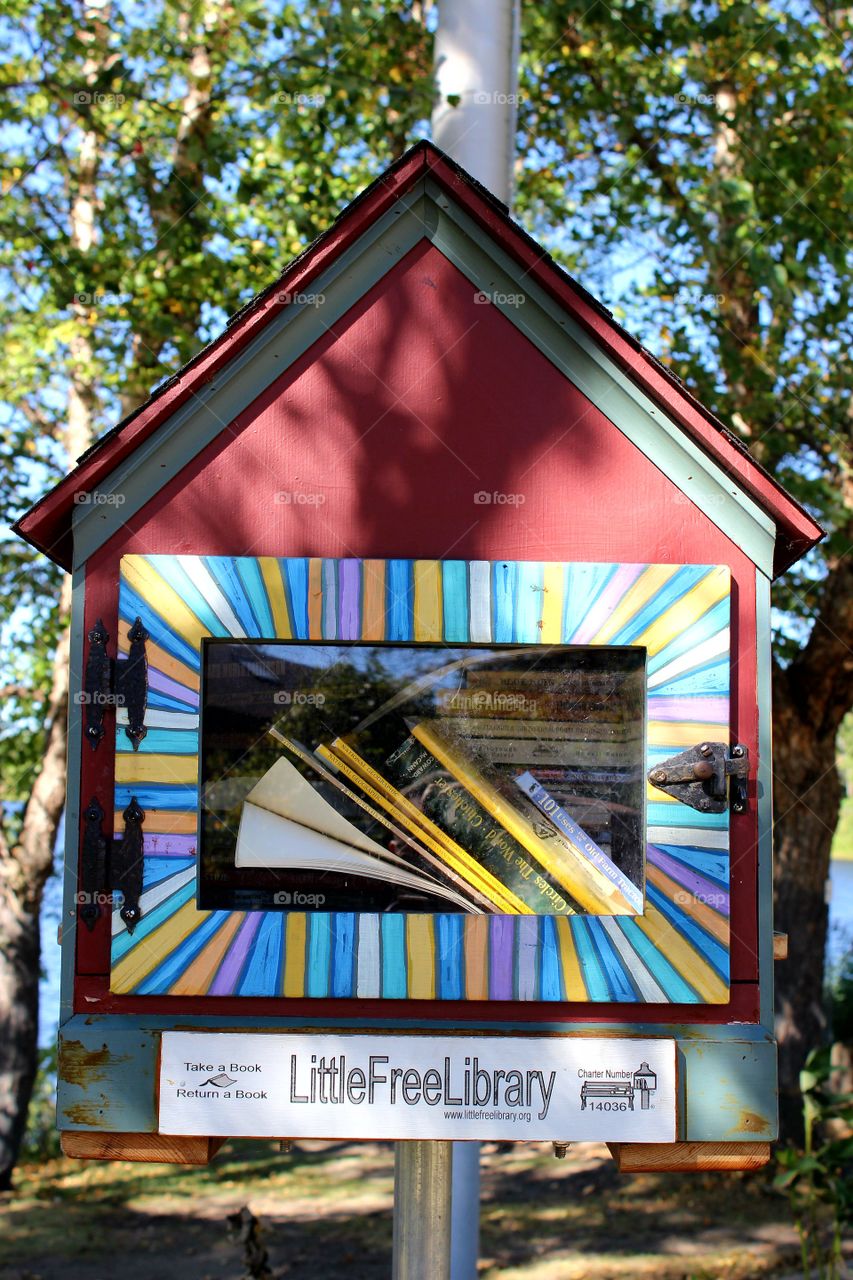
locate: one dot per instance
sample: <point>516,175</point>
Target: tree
<point>165,162</point>
<point>703,145</point>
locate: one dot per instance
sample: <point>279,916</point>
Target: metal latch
<point>697,777</point>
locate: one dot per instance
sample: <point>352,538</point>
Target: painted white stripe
<point>209,588</point>
<point>649,989</point>
<point>162,719</point>
<point>158,893</point>
<point>369,965</point>
<point>480,600</point>
<point>695,837</point>
<point>717,646</point>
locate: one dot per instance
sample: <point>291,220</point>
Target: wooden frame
<point>677,952</point>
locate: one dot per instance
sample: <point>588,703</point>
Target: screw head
<point>657,775</point>
<point>737,751</point>
<point>706,750</point>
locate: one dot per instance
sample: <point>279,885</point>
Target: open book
<point>286,823</point>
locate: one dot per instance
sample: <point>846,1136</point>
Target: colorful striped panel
<point>677,951</point>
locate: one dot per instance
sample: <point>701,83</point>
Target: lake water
<point>840,938</point>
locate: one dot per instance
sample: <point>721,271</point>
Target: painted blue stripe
<point>550,969</point>
<point>252,580</point>
<point>262,974</point>
<point>343,953</point>
<point>674,986</point>
<point>618,978</point>
<point>399,599</point>
<point>155,869</point>
<point>681,815</point>
<point>392,934</point>
<point>708,947</point>
<point>582,584</point>
<point>224,571</point>
<point>160,979</point>
<point>716,619</point>
<point>590,966</point>
<point>450,957</point>
<point>178,578</point>
<point>132,606</point>
<point>157,796</point>
<point>294,573</point>
<point>124,942</point>
<point>504,573</point>
<point>712,680</point>
<point>317,967</point>
<point>529,598</point>
<point>158,701</point>
<point>454,578</point>
<point>171,742</point>
<point>679,584</point>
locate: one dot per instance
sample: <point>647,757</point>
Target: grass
<point>325,1210</point>
<point>842,844</point>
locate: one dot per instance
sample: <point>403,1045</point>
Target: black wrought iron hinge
<point>108,683</point>
<point>697,777</point>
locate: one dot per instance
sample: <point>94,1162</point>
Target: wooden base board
<point>688,1157</point>
<point>91,1145</point>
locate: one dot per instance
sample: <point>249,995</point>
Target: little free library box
<point>419,763</point>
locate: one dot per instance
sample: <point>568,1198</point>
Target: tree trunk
<point>23,873</point>
<point>807,796</point>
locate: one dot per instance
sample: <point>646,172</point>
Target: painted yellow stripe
<point>174,611</point>
<point>294,954</point>
<point>373,600</point>
<point>428,610</point>
<point>148,953</point>
<point>160,660</point>
<point>572,977</point>
<point>711,921</point>
<point>655,796</point>
<point>164,822</point>
<point>315,598</point>
<point>685,958</point>
<point>551,631</point>
<point>274,583</point>
<point>420,957</point>
<point>683,733</point>
<point>647,585</point>
<point>681,615</point>
<point>196,979</point>
<point>132,768</point>
<point>477,958</point>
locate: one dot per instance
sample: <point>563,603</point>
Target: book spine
<point>425,831</point>
<point>583,882</point>
<point>452,808</point>
<point>557,815</point>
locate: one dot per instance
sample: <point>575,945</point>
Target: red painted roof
<point>47,525</point>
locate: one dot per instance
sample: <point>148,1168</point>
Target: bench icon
<point>644,1082</point>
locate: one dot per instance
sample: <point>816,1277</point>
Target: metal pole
<point>465,1211</point>
<point>422,1195</point>
<point>476,72</point>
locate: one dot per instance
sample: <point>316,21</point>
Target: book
<point>286,823</point>
<point>556,814</point>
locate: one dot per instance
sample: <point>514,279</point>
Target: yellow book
<point>579,878</point>
<point>354,768</point>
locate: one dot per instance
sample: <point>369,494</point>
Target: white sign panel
<point>440,1087</point>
